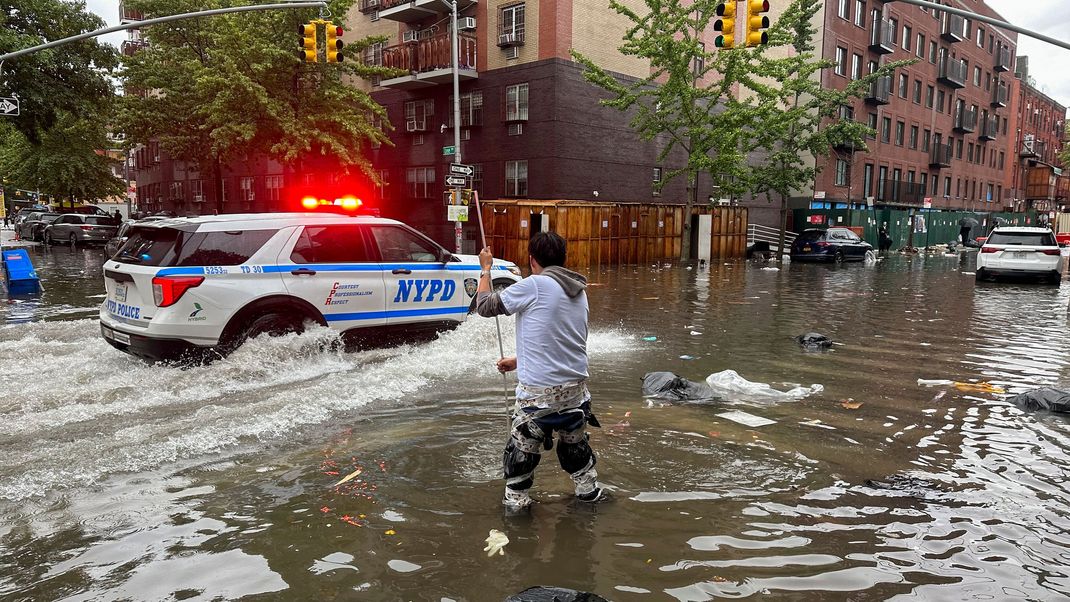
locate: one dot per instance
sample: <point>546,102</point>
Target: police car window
<point>330,244</point>
<point>148,246</point>
<point>397,244</point>
<point>231,247</point>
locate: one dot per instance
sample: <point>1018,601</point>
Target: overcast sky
<point>1047,63</point>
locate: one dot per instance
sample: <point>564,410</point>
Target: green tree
<point>70,79</point>
<point>749,118</point>
<point>216,89</point>
<point>66,162</point>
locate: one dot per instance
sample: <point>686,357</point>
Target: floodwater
<point>120,480</point>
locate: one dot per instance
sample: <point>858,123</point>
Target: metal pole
<point>455,52</point>
<point>140,24</point>
<point>985,19</point>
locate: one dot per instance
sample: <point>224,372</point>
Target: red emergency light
<point>347,203</point>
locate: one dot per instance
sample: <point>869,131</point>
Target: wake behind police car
<point>190,288</point>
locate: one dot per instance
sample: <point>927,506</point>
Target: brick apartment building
<point>944,128</point>
<point>1039,136</point>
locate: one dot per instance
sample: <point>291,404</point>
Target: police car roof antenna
<point>497,325</point>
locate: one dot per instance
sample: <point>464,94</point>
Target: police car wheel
<point>271,324</point>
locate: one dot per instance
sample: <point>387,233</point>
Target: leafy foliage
<point>215,89</point>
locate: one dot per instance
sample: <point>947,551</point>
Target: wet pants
<point>528,439</point>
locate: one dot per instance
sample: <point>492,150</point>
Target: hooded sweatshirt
<point>551,325</point>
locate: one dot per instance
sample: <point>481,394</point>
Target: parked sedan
<point>1031,252</point>
<point>74,229</point>
<point>834,244</point>
<point>34,225</point>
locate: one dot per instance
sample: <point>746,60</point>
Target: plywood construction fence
<point>607,233</point>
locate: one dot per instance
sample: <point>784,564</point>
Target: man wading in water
<point>551,362</point>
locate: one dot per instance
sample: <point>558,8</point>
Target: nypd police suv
<point>190,288</point>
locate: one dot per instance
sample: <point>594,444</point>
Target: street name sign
<point>460,169</point>
<point>455,181</point>
<point>9,106</point>
<point>449,150</point>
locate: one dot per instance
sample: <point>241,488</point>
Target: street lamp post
<point>454,52</point>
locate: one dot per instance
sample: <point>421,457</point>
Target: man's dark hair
<point>547,248</point>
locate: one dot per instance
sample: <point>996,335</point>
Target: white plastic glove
<point>495,542</point>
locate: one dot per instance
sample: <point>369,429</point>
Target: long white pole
<point>456,50</point>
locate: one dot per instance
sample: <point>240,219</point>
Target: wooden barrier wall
<point>608,233</point>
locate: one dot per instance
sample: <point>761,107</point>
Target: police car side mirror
<point>444,256</point>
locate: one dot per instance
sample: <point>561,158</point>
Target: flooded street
<point>122,480</point>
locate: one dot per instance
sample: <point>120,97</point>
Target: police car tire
<point>273,317</point>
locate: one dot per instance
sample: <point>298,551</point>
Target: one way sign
<point>9,107</point>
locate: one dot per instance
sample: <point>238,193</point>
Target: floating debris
<point>496,543</point>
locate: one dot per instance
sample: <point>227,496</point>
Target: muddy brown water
<point>120,480</point>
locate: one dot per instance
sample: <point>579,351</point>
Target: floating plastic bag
<point>496,541</point>
<point>733,387</point>
<point>543,593</point>
<point>1048,400</point>
<point>814,340</point>
<point>666,385</point>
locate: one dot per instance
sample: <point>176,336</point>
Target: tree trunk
<point>685,231</point>
<point>783,227</point>
<point>217,176</point>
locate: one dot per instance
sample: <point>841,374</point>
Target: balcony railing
<point>990,128</point>
<point>941,155</point>
<point>900,191</point>
<point>1003,60</point>
<point>880,91</point>
<point>428,59</point>
<point>126,15</point>
<point>999,95</point>
<point>882,37</point>
<point>370,6</point>
<point>954,28</point>
<point>965,121</point>
<point>952,73</point>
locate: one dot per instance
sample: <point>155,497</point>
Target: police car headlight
<point>513,270</point>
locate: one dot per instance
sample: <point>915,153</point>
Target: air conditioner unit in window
<point>466,23</point>
<point>507,39</point>
<point>198,198</point>
<point>410,36</point>
<point>415,125</point>
<point>375,15</point>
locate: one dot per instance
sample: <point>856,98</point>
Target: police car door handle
<point>303,272</point>
<point>401,271</point>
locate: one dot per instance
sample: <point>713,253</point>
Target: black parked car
<point>33,226</point>
<point>834,244</point>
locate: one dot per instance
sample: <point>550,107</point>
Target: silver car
<point>75,229</point>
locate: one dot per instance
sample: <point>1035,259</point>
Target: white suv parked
<point>1014,251</point>
<point>189,288</point>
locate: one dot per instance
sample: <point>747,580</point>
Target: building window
<point>940,101</point>
<point>925,139</point>
<point>947,186</point>
<point>867,180</point>
<point>958,149</point>
<point>897,176</point>
<point>841,61</point>
<point>860,13</point>
<point>969,153</point>
<point>511,23</point>
<point>917,91</point>
<point>477,176</point>
<point>196,189</point>
<point>516,178</point>
<point>924,182</point>
<point>900,129</point>
<point>932,52</point>
<point>981,37</point>
<point>904,82</point>
<point>856,66</point>
<point>920,48</point>
<point>274,187</point>
<point>882,182</point>
<point>841,172</point>
<point>417,113</point>
<point>471,109</point>
<point>843,10</point>
<point>977,76</point>
<point>929,91</point>
<point>914,137</point>
<point>886,130</point>
<point>421,181</point>
<point>1001,159</point>
<point>248,190</point>
<point>908,35</point>
<point>872,123</point>
<point>657,181</point>
<point>516,102</point>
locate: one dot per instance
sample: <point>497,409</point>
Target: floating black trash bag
<point>813,340</point>
<point>1047,400</point>
<point>666,385</point>
<point>542,593</point>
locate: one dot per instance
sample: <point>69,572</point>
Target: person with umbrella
<point>966,224</point>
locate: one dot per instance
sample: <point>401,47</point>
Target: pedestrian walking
<point>884,241</point>
<point>966,226</point>
<point>117,218</point>
<point>551,363</point>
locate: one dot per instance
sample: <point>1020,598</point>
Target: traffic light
<point>757,22</point>
<point>309,53</point>
<point>726,24</point>
<point>334,45</point>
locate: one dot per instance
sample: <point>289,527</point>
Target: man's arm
<point>488,303</point>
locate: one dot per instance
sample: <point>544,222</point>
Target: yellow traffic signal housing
<point>334,45</point>
<point>757,22</point>
<point>309,52</point>
<point>726,24</point>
